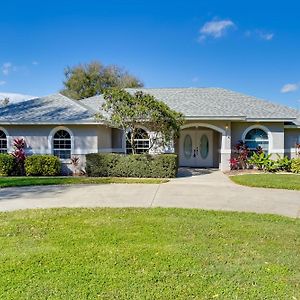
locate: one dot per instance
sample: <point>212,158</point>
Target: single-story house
<point>216,119</point>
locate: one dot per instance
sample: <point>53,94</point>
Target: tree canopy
<point>87,80</point>
<point>131,111</point>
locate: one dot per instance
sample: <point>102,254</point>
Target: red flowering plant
<point>240,156</point>
<point>234,163</point>
<point>19,155</point>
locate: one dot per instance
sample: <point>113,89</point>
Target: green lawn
<point>148,254</point>
<point>275,181</point>
<point>26,181</point>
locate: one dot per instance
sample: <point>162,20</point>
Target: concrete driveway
<point>205,189</point>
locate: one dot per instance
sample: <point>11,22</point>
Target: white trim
<point>83,152</point>
<point>224,151</point>
<point>57,123</point>
<point>271,120</point>
<point>291,150</point>
<point>51,135</point>
<point>279,151</point>
<point>8,139</point>
<point>292,126</point>
<point>149,133</point>
<point>219,129</point>
<point>264,128</point>
<point>209,118</point>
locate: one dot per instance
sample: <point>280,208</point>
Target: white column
<point>225,150</point>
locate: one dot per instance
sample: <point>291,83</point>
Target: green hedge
<point>42,165</point>
<point>295,167</point>
<point>135,165</point>
<point>7,164</point>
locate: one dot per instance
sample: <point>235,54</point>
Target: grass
<point>148,254</point>
<point>27,181</point>
<point>275,181</point>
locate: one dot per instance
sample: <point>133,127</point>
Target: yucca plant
<point>75,164</point>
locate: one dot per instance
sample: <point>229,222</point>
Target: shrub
<point>295,165</point>
<point>283,164</point>
<point>135,165</point>
<point>7,164</point>
<point>262,161</point>
<point>240,156</point>
<point>42,165</point>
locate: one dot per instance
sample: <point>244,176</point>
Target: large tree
<point>131,111</point>
<point>92,79</point>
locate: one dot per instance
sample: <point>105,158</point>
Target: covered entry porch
<point>204,145</point>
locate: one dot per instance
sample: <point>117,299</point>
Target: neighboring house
<point>216,119</point>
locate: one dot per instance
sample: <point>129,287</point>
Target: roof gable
<point>211,103</point>
<point>194,103</point>
<point>50,109</point>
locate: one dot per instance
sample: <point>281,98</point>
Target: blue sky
<point>248,46</point>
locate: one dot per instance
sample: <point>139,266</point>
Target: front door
<point>196,148</point>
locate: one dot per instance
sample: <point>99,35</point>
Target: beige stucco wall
<point>99,138</point>
<point>117,139</point>
<point>103,139</point>
<point>86,138</point>
<point>291,137</point>
<point>275,133</point>
<point>216,148</point>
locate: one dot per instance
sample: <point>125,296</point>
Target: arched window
<point>141,142</point>
<point>62,144</point>
<point>257,137</point>
<point>3,142</point>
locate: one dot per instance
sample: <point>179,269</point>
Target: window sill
<point>65,160</point>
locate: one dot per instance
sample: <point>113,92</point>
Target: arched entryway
<point>200,145</point>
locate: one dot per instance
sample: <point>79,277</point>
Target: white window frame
<point>145,149</point>
<point>51,142</point>
<point>5,150</point>
<point>265,129</point>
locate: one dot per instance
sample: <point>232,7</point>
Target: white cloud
<point>266,36</point>
<point>290,87</point>
<point>263,35</point>
<point>215,29</point>
<point>6,68</point>
<point>2,82</point>
<point>15,97</point>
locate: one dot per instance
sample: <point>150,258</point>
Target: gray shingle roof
<point>212,103</point>
<point>217,102</point>
<point>194,103</point>
<point>54,108</point>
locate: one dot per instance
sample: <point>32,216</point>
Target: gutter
<point>239,118</point>
<point>271,119</point>
<point>53,123</point>
<point>215,118</point>
<point>292,126</point>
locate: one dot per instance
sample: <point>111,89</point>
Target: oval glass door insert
<point>187,146</point>
<point>204,146</point>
